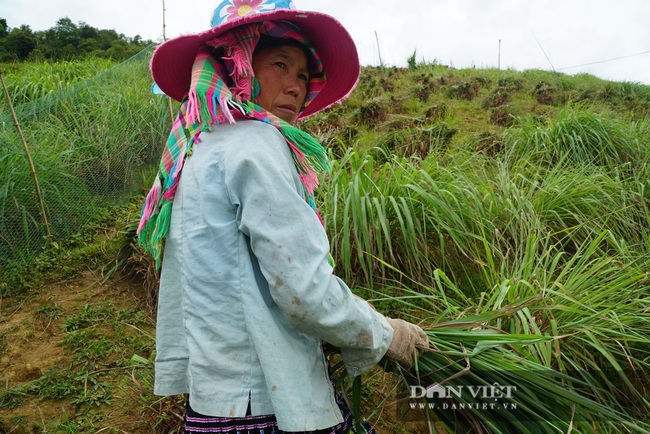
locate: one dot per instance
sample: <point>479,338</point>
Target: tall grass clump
<point>395,212</point>
<point>371,218</point>
<point>579,136</point>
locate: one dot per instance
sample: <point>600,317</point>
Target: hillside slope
<point>488,178</point>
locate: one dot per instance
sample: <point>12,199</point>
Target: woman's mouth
<point>287,108</point>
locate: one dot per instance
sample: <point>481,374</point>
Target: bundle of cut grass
<point>481,380</point>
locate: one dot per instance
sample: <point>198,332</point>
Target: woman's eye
<point>303,77</point>
<point>280,64</point>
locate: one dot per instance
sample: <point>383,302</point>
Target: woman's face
<point>283,78</point>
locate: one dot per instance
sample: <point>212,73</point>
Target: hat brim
<point>171,64</point>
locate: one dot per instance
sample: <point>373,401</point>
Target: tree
<point>4,28</point>
<point>67,32</point>
<point>65,38</point>
<point>88,45</point>
<point>19,43</point>
<point>118,50</point>
<point>106,38</point>
<point>88,32</point>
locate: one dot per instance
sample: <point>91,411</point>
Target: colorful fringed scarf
<point>223,90</point>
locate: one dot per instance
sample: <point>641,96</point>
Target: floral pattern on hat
<point>232,9</point>
<point>244,7</point>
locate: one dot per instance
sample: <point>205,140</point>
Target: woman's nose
<point>292,85</point>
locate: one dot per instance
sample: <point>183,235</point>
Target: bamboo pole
<point>169,100</point>
<point>164,25</point>
<point>31,162</point>
<point>381,64</point>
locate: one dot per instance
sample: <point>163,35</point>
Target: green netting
<point>89,142</point>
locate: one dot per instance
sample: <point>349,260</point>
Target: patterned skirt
<point>196,423</point>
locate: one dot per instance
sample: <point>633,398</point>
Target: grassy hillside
<point>470,201</point>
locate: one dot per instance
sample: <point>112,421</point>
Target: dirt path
<point>31,343</point>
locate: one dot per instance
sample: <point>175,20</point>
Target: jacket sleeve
<point>292,249</point>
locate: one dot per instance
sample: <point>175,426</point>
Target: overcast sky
<point>607,38</point>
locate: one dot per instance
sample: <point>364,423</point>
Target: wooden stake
<point>31,163</point>
<point>499,59</point>
<point>164,26</point>
<point>381,64</point>
<point>169,100</point>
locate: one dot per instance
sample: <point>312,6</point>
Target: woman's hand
<point>407,338</point>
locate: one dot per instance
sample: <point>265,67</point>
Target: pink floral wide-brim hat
<point>171,64</point>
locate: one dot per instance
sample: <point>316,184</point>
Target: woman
<point>247,295</point>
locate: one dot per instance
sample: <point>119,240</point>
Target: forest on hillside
<point>65,41</point>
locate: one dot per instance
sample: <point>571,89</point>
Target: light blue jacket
<point>246,292</point>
